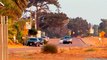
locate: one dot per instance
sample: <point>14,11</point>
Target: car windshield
<point>40,39</point>
<point>66,37</point>
<point>34,39</point>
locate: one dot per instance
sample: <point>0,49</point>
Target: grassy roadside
<point>64,54</point>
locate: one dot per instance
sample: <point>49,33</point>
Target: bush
<point>49,48</point>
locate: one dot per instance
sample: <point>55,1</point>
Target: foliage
<point>52,19</point>
<point>19,37</point>
<point>49,48</point>
<point>103,25</point>
<point>32,31</point>
<point>78,25</point>
<point>21,4</point>
<point>13,8</point>
<point>21,24</point>
<point>42,6</point>
<point>95,27</point>
<point>15,29</point>
<point>19,27</point>
<point>35,2</point>
<point>53,23</point>
<point>11,30</point>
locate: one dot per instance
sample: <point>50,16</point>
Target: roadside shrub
<point>49,48</point>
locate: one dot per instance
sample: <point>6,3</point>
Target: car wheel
<point>38,44</point>
<point>71,42</point>
<point>43,44</point>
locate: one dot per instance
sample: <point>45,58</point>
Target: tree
<point>13,8</point>
<point>41,3</point>
<point>103,25</point>
<point>54,24</point>
<point>19,26</point>
<point>32,31</point>
<point>52,20</point>
<point>78,25</point>
<point>16,29</point>
<point>42,6</point>
<point>95,27</point>
<point>11,30</point>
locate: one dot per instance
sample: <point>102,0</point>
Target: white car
<point>66,40</point>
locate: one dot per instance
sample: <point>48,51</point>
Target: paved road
<point>75,43</point>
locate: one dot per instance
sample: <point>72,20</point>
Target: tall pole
<point>3,38</point>
<point>36,20</point>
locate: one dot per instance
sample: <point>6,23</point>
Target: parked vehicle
<point>33,42</point>
<point>41,41</point>
<point>45,38</point>
<point>66,40</point>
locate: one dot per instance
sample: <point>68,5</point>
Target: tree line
<point>54,24</point>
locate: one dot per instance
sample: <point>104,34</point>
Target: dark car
<point>66,40</point>
<point>33,42</point>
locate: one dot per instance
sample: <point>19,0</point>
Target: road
<point>76,42</point>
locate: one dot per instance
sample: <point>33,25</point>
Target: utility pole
<point>3,35</point>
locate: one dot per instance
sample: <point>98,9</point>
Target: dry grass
<point>94,41</point>
<point>67,54</point>
<point>70,53</point>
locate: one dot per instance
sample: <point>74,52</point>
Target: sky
<point>91,10</point>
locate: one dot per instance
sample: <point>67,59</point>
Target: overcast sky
<point>91,10</point>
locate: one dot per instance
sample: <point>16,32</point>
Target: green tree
<point>32,31</point>
<point>41,3</point>
<point>13,8</point>
<point>52,20</point>
<point>54,24</point>
<point>19,26</point>
<point>103,25</point>
<point>78,25</point>
<point>11,30</point>
<point>42,6</point>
